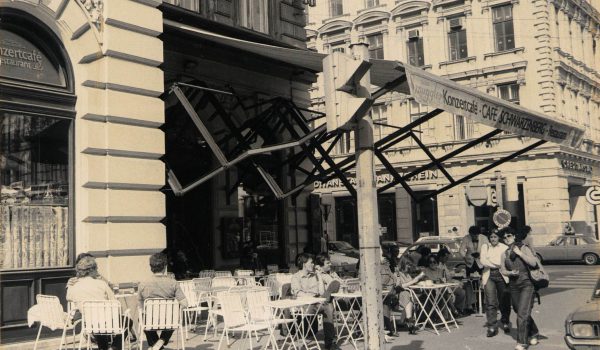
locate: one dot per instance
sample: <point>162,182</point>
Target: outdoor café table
<point>351,318</point>
<point>299,308</point>
<point>431,305</point>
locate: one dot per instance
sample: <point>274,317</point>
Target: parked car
<point>582,326</point>
<point>574,247</point>
<point>342,247</point>
<point>455,261</point>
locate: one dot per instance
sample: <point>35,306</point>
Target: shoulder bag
<point>539,276</point>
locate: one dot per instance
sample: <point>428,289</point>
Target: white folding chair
<point>259,312</point>
<point>223,282</point>
<point>104,317</point>
<point>273,286</point>
<point>243,273</point>
<point>235,319</point>
<point>206,273</point>
<point>194,307</point>
<point>161,315</point>
<point>54,317</point>
<point>223,274</point>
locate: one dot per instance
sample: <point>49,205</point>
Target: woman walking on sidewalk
<point>495,285</point>
<point>516,262</point>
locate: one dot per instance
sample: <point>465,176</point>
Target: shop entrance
<point>346,219</point>
<point>425,219</point>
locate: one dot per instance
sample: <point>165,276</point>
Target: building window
<point>415,48</point>
<point>504,33</point>
<point>416,111</point>
<point>254,14</point>
<point>463,128</point>
<point>379,114</point>
<point>509,92</point>
<point>345,143</point>
<point>375,46</point>
<point>457,39</point>
<point>372,3</point>
<point>34,206</point>
<point>337,47</point>
<point>336,8</point>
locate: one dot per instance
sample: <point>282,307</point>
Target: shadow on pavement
<point>414,345</point>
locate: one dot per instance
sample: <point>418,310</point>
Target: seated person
<point>73,280</point>
<point>323,269</point>
<point>307,283</point>
<point>432,270</point>
<point>88,287</point>
<point>460,293</point>
<point>405,279</point>
<point>424,253</point>
<point>160,285</point>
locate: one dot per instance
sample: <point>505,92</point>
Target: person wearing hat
<point>87,288</point>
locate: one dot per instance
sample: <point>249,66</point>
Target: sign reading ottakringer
<point>445,94</point>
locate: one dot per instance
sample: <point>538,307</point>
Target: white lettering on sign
<point>13,54</point>
<point>575,166</point>
<point>381,180</point>
<point>592,195</point>
<point>445,94</point>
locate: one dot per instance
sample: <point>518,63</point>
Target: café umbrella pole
<point>370,250</point>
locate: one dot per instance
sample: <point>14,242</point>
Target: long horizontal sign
<point>445,94</point>
<point>381,180</point>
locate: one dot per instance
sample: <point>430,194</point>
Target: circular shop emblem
<point>502,218</point>
<point>592,195</point>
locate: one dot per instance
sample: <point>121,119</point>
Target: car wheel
<point>539,257</point>
<point>590,259</point>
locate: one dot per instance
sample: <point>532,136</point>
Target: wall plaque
<point>22,60</point>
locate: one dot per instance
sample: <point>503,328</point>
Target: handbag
<point>539,277</point>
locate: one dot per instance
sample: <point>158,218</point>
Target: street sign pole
<point>368,223</point>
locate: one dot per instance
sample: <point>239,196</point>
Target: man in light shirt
<point>495,285</point>
<point>307,283</point>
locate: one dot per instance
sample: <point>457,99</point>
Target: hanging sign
<point>592,195</point>
<point>477,193</point>
<point>445,94</point>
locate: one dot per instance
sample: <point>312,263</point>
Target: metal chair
<point>206,273</point>
<point>161,315</point>
<point>235,319</point>
<point>104,317</point>
<point>54,317</point>
<point>223,274</point>
<point>194,307</point>
<point>223,282</point>
<point>243,273</point>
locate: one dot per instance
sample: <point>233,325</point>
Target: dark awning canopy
<point>426,88</point>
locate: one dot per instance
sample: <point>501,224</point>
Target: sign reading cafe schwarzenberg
<point>441,93</point>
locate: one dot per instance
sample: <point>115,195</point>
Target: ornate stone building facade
<point>543,55</point>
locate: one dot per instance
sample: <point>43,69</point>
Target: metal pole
<point>499,194</point>
<point>368,223</point>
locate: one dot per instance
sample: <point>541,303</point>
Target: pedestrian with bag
<point>516,262</point>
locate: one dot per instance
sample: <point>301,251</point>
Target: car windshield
<point>343,245</point>
<point>590,240</point>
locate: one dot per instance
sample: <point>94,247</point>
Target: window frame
<point>377,49</point>
<point>513,88</point>
<point>505,22</point>
<point>246,14</point>
<point>338,5</point>
<point>454,39</point>
<point>419,51</point>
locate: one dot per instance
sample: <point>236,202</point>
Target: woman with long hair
<point>516,262</point>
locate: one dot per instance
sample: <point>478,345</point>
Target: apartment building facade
<point>91,124</point>
<point>540,54</point>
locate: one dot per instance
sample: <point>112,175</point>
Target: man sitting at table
<point>307,283</point>
<point>464,297</point>
<point>160,285</point>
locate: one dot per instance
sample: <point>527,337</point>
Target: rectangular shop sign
<point>452,97</point>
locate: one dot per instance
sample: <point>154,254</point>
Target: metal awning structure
<point>309,149</point>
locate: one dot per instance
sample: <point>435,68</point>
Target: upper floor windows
<point>336,8</point>
<point>372,3</point>
<point>414,47</point>
<point>463,127</point>
<point>504,33</point>
<point>254,14</point>
<point>509,92</point>
<point>375,46</point>
<point>337,47</point>
<point>379,113</point>
<point>457,39</point>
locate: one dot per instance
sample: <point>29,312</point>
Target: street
<point>570,287</point>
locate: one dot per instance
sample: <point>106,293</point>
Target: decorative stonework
<point>94,9</point>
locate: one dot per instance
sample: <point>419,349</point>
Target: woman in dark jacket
<point>515,263</point>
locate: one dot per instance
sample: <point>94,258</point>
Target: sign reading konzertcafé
<point>445,94</point>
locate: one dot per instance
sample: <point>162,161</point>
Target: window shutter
<point>293,20</point>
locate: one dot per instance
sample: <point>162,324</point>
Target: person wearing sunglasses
<point>515,264</point>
